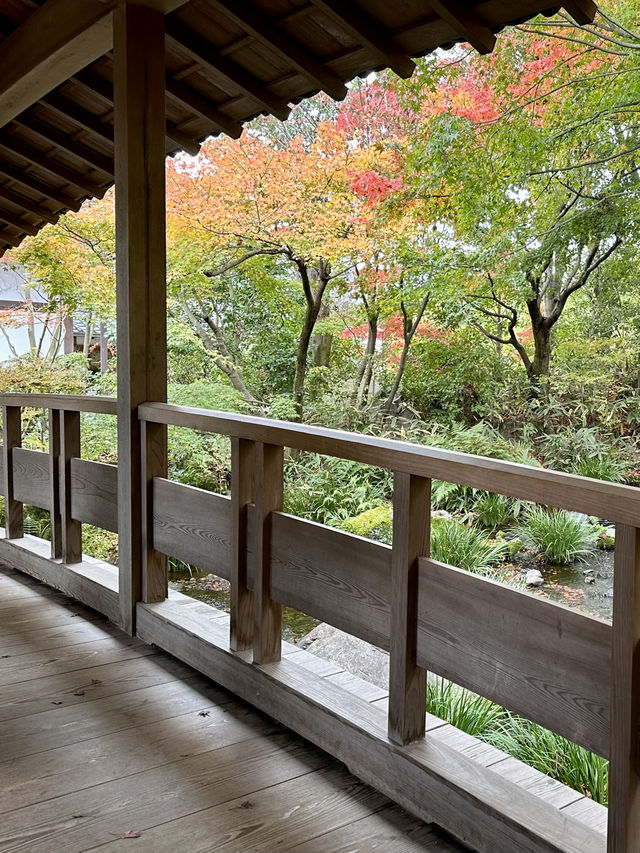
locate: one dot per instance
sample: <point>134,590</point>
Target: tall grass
<point>465,547</point>
<point>560,536</point>
<point>463,709</point>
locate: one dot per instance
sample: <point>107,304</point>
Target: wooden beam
<point>369,33</point>
<point>624,751</point>
<point>268,496</point>
<point>139,92</point>
<point>61,140</point>
<point>582,11</point>
<point>11,439</point>
<point>88,120</point>
<point>17,222</point>
<point>242,484</point>
<point>54,42</point>
<point>28,205</point>
<point>45,161</point>
<point>201,105</point>
<point>239,77</point>
<point>407,680</point>
<point>21,176</point>
<point>288,48</point>
<point>465,21</point>
<point>10,240</point>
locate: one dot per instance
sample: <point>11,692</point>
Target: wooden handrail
<point>612,501</point>
<point>62,402</point>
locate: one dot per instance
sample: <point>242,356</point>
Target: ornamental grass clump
<point>465,547</point>
<point>561,537</point>
<point>461,708</point>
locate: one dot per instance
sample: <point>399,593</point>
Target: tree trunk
<point>313,299</point>
<point>409,330</point>
<point>88,329</point>
<point>365,372</point>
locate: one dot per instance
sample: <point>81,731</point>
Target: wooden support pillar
<point>69,449</point>
<point>268,496</point>
<point>54,483</point>
<point>242,482</point>
<point>155,566</point>
<point>139,118</point>
<point>624,728</point>
<point>11,437</point>
<point>104,349</point>
<point>407,681</point>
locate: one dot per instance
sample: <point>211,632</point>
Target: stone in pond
<point>534,578</point>
<point>609,593</point>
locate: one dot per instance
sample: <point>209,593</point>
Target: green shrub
<point>463,709</point>
<point>494,511</point>
<point>376,523</point>
<point>560,536</point>
<point>606,467</point>
<point>552,754</point>
<point>465,547</point>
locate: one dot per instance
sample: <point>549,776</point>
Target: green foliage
<point>465,547</point>
<point>560,536</point>
<point>463,709</point>
<point>331,490</point>
<point>282,408</point>
<point>493,511</point>
<point>552,754</point>
<point>376,523</point>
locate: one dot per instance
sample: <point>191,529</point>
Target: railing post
<point>242,482</point>
<point>69,449</point>
<point>269,464</point>
<point>54,484</point>
<point>407,681</point>
<point>12,437</point>
<point>154,464</point>
<point>624,749</point>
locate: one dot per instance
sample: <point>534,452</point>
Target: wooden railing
<point>571,673</point>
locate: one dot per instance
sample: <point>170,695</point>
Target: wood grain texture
<point>153,438</point>
<point>624,774</point>
<point>430,779</point>
<point>69,450</point>
<point>553,488</point>
<point>94,493</point>
<point>54,484</point>
<point>536,657</point>
<point>193,525</point>
<point>407,680</point>
<point>268,497</point>
<point>139,121</point>
<point>242,483</point>
<point>11,439</point>
<point>341,579</point>
<point>31,477</point>
<point>65,402</point>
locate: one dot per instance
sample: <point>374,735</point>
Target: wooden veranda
<point>97,91</point>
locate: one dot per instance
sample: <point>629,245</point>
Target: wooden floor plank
<point>60,726</point>
<point>83,685</point>
<point>93,653</point>
<point>71,633</point>
<point>36,778</point>
<point>80,821</point>
<point>390,829</point>
<point>278,817</point>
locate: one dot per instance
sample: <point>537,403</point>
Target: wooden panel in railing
<point>192,525</point>
<point>535,657</point>
<point>63,402</point>
<point>31,477</point>
<point>553,488</point>
<point>336,577</point>
<point>94,493</point>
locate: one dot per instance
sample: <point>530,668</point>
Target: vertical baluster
<point>407,681</point>
<point>12,437</point>
<point>54,483</point>
<point>267,643</point>
<point>155,581</point>
<point>69,448</point>
<point>624,746</point>
<point>242,482</point>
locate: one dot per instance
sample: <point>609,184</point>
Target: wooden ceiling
<point>227,61</point>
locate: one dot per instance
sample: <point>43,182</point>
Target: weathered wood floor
<point>102,736</point>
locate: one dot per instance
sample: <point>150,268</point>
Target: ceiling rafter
<point>45,161</point>
<point>368,32</point>
<point>62,140</point>
<point>17,222</point>
<point>286,47</point>
<point>87,120</point>
<point>9,240</point>
<point>236,74</point>
<point>466,22</point>
<point>191,98</point>
<point>21,176</point>
<point>28,205</point>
